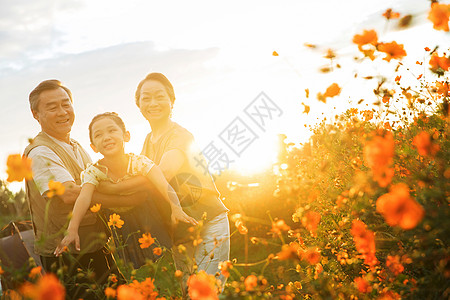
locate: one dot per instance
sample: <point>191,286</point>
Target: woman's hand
<point>178,215</point>
<point>71,237</point>
<point>106,187</point>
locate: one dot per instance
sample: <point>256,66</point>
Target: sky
<point>218,56</point>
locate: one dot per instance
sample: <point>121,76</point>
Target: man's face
<point>55,113</point>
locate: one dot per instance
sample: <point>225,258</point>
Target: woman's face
<point>154,102</point>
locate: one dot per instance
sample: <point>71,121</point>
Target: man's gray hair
<point>46,85</point>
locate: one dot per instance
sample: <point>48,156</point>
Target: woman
<point>171,147</point>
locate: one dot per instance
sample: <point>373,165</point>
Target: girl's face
<point>108,138</point>
<point>154,102</point>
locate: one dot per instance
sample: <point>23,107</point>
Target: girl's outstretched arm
<point>157,178</point>
<point>82,204</point>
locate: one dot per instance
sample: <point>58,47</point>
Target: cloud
<point>27,30</point>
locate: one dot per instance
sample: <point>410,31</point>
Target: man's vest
<point>50,216</point>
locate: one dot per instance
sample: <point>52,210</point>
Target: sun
<point>258,157</point>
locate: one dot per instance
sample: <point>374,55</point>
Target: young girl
<point>108,136</point>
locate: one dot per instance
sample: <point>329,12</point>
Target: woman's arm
<point>79,210</point>
<point>157,178</point>
<point>171,162</point>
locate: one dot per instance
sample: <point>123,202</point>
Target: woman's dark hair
<point>161,79</point>
<point>111,115</point>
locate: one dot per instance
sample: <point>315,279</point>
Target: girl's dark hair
<point>161,79</point>
<point>111,115</point>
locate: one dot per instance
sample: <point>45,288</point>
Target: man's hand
<point>71,237</point>
<point>178,215</point>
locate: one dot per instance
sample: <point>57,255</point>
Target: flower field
<point>359,211</point>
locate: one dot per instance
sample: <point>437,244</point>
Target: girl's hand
<point>71,237</point>
<point>106,187</point>
<point>178,215</point>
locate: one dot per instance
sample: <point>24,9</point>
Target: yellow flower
<point>18,168</point>
<point>95,208</point>
<point>56,188</point>
<point>114,220</point>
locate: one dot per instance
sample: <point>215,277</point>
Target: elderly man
<point>57,157</point>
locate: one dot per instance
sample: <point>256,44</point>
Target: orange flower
<point>279,226</point>
<point>311,255</point>
<point>387,126</point>
<point>146,240</point>
<point>364,241</point>
<point>202,286</point>
<point>250,282</point>
<point>289,251</point>
<point>353,111</point>
<point>224,266</point>
<point>95,208</point>
<point>125,292</point>
<point>114,220</point>
<point>56,188</point>
<point>18,168</point>
<point>397,79</point>
<point>307,108</point>
<point>1,271</point>
<point>393,263</point>
<point>36,271</point>
<point>442,88</point>
<point>146,288</point>
<point>368,115</point>
<point>47,288</point>
<point>389,295</point>
<point>362,285</point>
<point>439,15</point>
<point>310,221</point>
<point>240,226</point>
<point>424,144</point>
<point>399,209</point>
<point>110,292</point>
<point>439,62</point>
<point>392,50</point>
<point>332,90</point>
<point>178,274</point>
<point>275,53</point>
<point>390,14</point>
<point>378,156</point>
<point>367,37</point>
<point>157,251</point>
